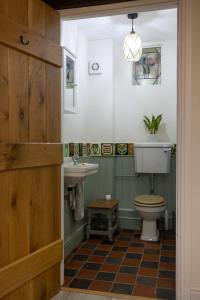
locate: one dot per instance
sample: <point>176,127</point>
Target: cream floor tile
<point>61,296</point>
<point>84,296</point>
<point>81,296</point>
<point>133,298</point>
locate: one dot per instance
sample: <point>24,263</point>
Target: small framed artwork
<point>147,71</point>
<point>94,68</point>
<point>70,85</point>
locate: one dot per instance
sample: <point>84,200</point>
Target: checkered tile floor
<point>126,265</point>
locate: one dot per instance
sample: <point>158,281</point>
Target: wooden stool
<point>106,208</point>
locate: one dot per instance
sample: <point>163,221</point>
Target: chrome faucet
<point>74,160</point>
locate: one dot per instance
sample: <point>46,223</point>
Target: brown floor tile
<point>99,285</point>
<point>169,242</point>
<point>167,266</point>
<point>143,256</point>
<point>135,249</point>
<point>74,264</point>
<point>125,278</point>
<point>148,272</point>
<point>122,243</point>
<point>116,254</point>
<point>87,274</point>
<point>153,245</point>
<point>168,253</point>
<point>131,262</point>
<point>85,251</point>
<point>137,239</point>
<point>109,268</point>
<point>151,257</point>
<point>166,283</point>
<point>98,259</point>
<point>144,291</point>
<point>104,247</point>
<point>67,280</point>
<point>94,241</point>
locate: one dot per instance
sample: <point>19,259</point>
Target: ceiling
<point>152,26</point>
<point>62,4</point>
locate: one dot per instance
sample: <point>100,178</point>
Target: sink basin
<point>74,174</point>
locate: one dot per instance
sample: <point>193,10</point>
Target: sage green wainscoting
<point>116,177</point>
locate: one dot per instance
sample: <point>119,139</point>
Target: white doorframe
<point>183,184</point>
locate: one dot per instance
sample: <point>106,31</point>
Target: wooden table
<point>102,217</point>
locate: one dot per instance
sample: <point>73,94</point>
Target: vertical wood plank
<point>20,190</point>
<point>37,101</point>
<point>18,78</point>
<point>45,225</point>
<point>53,91</point>
<point>21,293</point>
<point>39,287</point>
<point>53,280</point>
<point>4,95</point>
<point>37,16</point>
<point>45,211</point>
<point>3,7</point>
<point>4,220</point>
<point>17,10</point>
<point>52,23</point>
<point>30,198</point>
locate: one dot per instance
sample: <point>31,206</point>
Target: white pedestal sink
<point>76,173</point>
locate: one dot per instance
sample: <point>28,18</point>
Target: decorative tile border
<point>104,149</point>
<point>121,149</point>
<point>107,149</point>
<point>95,149</point>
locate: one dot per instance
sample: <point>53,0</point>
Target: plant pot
<point>153,137</point>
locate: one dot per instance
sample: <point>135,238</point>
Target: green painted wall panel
<point>116,176</point>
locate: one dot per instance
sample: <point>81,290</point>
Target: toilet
<point>151,158</point>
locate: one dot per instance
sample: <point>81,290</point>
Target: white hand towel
<point>79,202</point>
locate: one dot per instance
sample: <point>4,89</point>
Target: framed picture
<point>147,71</point>
<point>69,77</point>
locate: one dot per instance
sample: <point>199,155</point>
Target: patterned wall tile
<point>121,149</point>
<point>76,150</point>
<point>130,149</point>
<point>66,150</point>
<point>88,149</point>
<point>85,150</point>
<point>107,149</point>
<point>95,149</point>
<point>80,149</point>
<point>71,149</point>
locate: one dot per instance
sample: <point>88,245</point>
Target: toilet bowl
<point>150,208</point>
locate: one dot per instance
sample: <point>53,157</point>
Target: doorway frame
<point>183,210</point>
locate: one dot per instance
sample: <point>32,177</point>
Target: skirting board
<point>195,294</point>
<point>74,239</point>
<point>129,219</point>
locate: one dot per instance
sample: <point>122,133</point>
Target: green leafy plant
<point>152,124</point>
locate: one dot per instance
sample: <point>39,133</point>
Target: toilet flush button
<point>107,197</point>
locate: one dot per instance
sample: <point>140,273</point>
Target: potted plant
<point>152,124</point>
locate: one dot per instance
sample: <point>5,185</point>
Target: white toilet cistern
<point>152,158</point>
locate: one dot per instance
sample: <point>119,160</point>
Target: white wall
<point>100,93</point>
<point>74,125</point>
<point>109,107</point>
<point>133,102</point>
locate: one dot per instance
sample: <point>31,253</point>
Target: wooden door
<point>30,150</point>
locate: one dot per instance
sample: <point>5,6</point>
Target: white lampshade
<point>132,47</point>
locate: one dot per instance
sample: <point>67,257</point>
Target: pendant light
<point>132,43</point>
